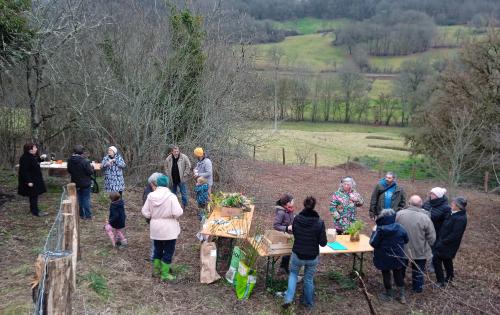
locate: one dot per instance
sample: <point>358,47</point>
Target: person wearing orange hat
<point>203,167</point>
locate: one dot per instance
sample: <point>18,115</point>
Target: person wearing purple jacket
<point>283,222</point>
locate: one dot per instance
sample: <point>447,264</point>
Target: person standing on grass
<point>150,187</point>
<point>387,195</point>
<point>31,182</point>
<point>178,168</point>
<point>81,171</point>
<point>115,225</point>
<point>309,233</point>
<point>203,167</point>
<point>113,165</point>
<point>163,208</point>
<point>448,241</point>
<point>283,220</point>
<point>344,203</point>
<point>422,236</point>
<point>388,240</point>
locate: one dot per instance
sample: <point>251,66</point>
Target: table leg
<point>231,243</point>
<point>361,264</point>
<point>268,280</point>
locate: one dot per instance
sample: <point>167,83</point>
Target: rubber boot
<point>402,296</point>
<point>156,268</point>
<point>165,274</point>
<point>386,296</point>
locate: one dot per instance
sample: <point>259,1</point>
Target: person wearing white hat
<point>438,206</point>
<point>113,165</point>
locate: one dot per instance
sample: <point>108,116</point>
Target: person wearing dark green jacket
<point>387,195</point>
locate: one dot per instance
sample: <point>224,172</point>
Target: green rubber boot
<point>165,275</point>
<point>156,267</point>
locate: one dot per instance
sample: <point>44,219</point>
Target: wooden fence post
<point>381,169</point>
<point>413,172</point>
<point>70,242</point>
<point>254,152</point>
<point>76,214</point>
<point>315,160</point>
<point>58,284</point>
<point>347,165</point>
<point>486,180</point>
<point>283,151</point>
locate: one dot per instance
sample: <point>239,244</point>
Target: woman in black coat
<point>31,182</point>
<point>448,241</point>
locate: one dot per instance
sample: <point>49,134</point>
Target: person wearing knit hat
<point>112,166</point>
<point>448,241</point>
<point>164,209</point>
<point>203,167</point>
<point>438,207</point>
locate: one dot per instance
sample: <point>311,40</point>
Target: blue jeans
<point>84,202</point>
<point>309,270</point>
<point>184,193</point>
<point>417,274</point>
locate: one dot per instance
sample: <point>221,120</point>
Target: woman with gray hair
<point>344,203</point>
<point>388,240</point>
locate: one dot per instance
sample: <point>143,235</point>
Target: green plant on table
<point>355,227</point>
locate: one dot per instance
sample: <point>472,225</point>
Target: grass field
<point>333,142</point>
<point>393,63</point>
<point>309,25</point>
<point>381,87</point>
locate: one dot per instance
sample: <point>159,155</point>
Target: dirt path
<point>130,289</point>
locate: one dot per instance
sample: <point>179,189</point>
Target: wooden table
<point>60,170</point>
<point>357,249</point>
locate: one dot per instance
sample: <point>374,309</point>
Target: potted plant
<point>354,230</point>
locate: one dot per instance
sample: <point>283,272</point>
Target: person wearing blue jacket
<point>388,240</point>
<point>448,241</point>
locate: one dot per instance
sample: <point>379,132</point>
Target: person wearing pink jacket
<point>163,208</point>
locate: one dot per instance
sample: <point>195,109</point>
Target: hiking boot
<point>165,272</point>
<point>401,295</point>
<point>385,296</point>
<point>156,268</point>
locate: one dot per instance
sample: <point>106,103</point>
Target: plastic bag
<point>245,281</point>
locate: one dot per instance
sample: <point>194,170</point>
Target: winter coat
<point>204,168</point>
<point>113,174</point>
<point>282,219</point>
<point>388,241</point>
<point>450,235</point>
<point>308,232</point>
<point>439,210</point>
<point>398,200</point>
<point>420,229</point>
<point>80,170</point>
<point>117,214</point>
<point>201,194</point>
<point>30,172</point>
<point>163,208</point>
<point>343,208</point>
<point>183,164</point>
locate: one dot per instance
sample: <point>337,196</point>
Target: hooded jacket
<point>388,241</point>
<point>420,231</point>
<point>282,219</point>
<point>398,199</point>
<point>80,170</point>
<point>163,208</point>
<point>117,215</point>
<point>309,233</point>
<point>439,209</point>
<point>451,234</point>
<point>30,172</point>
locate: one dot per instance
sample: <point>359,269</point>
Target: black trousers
<point>438,269</point>
<point>285,263</point>
<point>398,278</point>
<point>164,250</point>
<point>34,205</point>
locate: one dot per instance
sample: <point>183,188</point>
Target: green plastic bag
<point>233,267</point>
<point>245,281</point>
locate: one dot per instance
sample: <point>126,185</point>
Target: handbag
<point>94,186</point>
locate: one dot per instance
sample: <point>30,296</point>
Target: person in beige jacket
<point>163,208</point>
<point>178,169</point>
<point>418,225</point>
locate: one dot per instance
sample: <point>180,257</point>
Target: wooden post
<point>347,165</point>
<point>381,170</point>
<point>58,284</point>
<point>315,160</point>
<point>413,172</point>
<point>486,180</point>
<point>76,214</point>
<point>254,152</point>
<point>70,242</point>
<point>283,151</point>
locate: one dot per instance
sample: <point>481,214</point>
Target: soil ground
<point>129,288</point>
